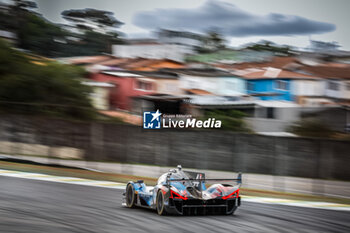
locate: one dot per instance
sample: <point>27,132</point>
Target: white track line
<point>115,185</point>
<point>299,203</point>
<point>62,179</point>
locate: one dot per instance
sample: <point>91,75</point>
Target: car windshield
<point>179,175</point>
<point>174,176</point>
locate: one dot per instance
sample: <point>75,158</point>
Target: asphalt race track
<point>32,206</point>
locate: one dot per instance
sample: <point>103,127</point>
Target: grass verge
<point>71,172</point>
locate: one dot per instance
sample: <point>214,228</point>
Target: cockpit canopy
<point>179,174</point>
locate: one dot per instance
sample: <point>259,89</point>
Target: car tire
<point>130,196</point>
<point>232,212</point>
<point>160,206</point>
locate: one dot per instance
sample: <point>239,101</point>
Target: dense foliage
<point>36,34</point>
<point>311,128</point>
<point>211,42</point>
<point>271,47</point>
<point>49,88</point>
<point>231,119</point>
<point>89,18</point>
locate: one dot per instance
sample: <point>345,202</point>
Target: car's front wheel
<point>130,196</point>
<point>160,203</point>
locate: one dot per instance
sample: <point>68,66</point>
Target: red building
<point>127,85</point>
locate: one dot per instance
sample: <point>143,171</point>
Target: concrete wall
<point>202,149</point>
<point>62,152</point>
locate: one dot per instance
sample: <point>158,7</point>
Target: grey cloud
<point>229,20</point>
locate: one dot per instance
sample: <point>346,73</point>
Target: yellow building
<point>100,94</point>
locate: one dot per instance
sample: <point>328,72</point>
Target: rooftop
<point>215,101</point>
<point>203,72</point>
<point>136,74</point>
<point>97,84</point>
<point>272,73</point>
<point>328,71</point>
<point>85,59</point>
<point>276,62</point>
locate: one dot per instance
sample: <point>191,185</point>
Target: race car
<point>185,193</point>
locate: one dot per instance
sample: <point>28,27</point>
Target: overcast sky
<point>291,22</point>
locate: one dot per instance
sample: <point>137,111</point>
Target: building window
<point>281,85</point>
<point>332,85</point>
<point>145,86</point>
<point>270,113</point>
<point>250,86</point>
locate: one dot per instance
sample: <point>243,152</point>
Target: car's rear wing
<point>238,179</point>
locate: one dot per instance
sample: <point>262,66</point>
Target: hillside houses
<point>276,89</point>
<point>294,79</point>
<point>281,78</point>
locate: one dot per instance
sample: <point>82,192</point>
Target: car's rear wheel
<point>232,211</point>
<point>160,203</point>
<point>130,196</point>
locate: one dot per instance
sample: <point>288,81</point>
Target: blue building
<point>270,89</point>
<point>272,84</point>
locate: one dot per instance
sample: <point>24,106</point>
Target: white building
<point>153,51</point>
<point>336,80</point>
<point>338,88</point>
<point>216,82</point>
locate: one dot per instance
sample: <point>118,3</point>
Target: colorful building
<point>278,84</point>
<point>133,84</point>
<point>216,82</point>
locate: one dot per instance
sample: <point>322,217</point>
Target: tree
<point>33,32</point>
<point>92,19</point>
<point>49,89</point>
<point>24,5</point>
<point>213,41</point>
<point>38,35</point>
<point>41,36</point>
<point>18,12</point>
<point>271,47</point>
<point>98,28</point>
